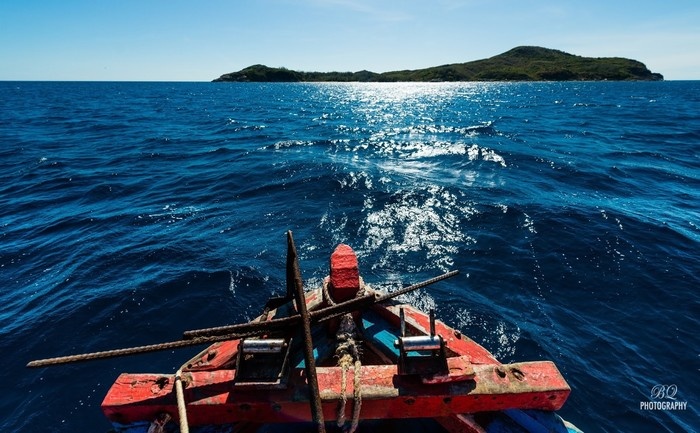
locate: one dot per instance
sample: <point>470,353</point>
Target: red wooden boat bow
<point>385,361</point>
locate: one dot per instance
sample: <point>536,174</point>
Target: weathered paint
<point>418,323</point>
<point>211,396</point>
<point>344,275</point>
<point>460,423</point>
<point>215,357</point>
<point>476,382</point>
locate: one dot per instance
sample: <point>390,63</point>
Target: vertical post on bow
<point>294,275</point>
<point>292,266</point>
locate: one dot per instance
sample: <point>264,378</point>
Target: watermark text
<point>663,397</point>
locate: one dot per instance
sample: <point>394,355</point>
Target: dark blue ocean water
<point>130,212</point>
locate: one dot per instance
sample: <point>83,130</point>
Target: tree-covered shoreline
<point>523,63</point>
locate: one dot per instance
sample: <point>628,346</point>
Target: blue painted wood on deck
<point>323,347</point>
<point>526,421</point>
<point>380,334</point>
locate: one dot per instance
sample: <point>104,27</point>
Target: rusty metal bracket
<point>424,355</point>
<point>263,363</point>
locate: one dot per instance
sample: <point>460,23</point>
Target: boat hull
<point>475,382</point>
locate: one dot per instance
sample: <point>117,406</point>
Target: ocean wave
<point>574,228</point>
<point>420,227</point>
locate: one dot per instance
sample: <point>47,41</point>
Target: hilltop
<point>523,63</point>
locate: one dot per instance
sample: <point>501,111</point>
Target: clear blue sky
<point>188,40</point>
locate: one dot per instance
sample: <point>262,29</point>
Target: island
<point>525,63</point>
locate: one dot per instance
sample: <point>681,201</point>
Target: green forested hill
<point>519,64</point>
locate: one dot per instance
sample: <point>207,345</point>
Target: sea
<point>131,212</point>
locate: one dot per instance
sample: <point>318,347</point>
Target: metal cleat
<point>262,363</point>
<point>423,355</point>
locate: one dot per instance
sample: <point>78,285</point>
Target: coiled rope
<point>348,353</point>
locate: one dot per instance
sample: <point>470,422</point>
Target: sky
<point>188,40</point>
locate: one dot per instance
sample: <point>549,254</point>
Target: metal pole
<point>234,332</point>
<point>134,350</point>
<point>314,394</point>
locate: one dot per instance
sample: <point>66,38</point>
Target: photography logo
<point>663,397</point>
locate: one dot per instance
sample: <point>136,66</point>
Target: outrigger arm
<point>232,332</point>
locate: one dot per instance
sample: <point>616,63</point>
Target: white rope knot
<point>348,355</point>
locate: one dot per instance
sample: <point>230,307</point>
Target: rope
<point>326,296</point>
<point>357,395</point>
<point>158,425</point>
<point>181,406</point>
<point>343,398</point>
<point>348,353</point>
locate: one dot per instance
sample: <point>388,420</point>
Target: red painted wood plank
<point>212,398</point>
<point>419,322</point>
